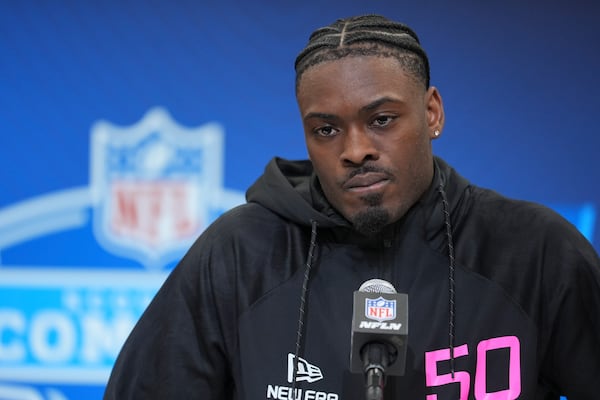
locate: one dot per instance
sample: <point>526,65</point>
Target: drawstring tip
<point>452,362</point>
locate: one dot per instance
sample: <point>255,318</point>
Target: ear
<point>435,112</point>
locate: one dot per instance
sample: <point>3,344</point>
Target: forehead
<point>355,79</point>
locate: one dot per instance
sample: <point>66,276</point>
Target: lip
<point>366,181</point>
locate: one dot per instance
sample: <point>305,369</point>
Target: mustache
<point>363,169</point>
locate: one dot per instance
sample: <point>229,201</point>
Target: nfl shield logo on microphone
<point>380,309</point>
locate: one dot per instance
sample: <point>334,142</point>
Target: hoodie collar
<point>292,190</point>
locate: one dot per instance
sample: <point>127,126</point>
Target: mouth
<point>369,181</point>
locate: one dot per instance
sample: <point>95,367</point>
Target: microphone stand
<point>375,359</point>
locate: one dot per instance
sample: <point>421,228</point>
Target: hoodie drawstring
<point>302,314</point>
<point>451,282</point>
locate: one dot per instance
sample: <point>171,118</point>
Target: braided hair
<point>365,35</point>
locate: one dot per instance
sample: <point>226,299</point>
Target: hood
<point>292,190</point>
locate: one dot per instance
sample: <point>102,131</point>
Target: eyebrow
<point>374,104</point>
<point>369,107</point>
<point>319,115</point>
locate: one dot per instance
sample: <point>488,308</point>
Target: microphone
<point>379,334</point>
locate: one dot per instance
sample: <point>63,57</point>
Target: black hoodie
<point>523,285</point>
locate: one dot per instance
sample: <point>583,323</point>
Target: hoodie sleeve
<point>177,350</point>
<point>572,319</point>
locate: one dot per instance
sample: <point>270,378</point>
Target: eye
<point>326,131</point>
<point>382,121</point>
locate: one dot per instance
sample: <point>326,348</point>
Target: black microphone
<point>379,334</point>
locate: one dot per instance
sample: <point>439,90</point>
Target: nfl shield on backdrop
<point>154,185</point>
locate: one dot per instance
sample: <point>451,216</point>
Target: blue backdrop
<point>127,127</point>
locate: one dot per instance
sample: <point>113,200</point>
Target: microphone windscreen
<point>377,286</point>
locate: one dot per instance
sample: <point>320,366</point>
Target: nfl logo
<point>154,185</point>
<point>380,309</point>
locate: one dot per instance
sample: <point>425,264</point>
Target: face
<point>368,127</point>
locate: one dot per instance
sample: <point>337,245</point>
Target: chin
<point>371,221</point>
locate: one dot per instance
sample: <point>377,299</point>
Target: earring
<point>436,133</point>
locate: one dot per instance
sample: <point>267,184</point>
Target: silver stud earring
<point>436,133</point>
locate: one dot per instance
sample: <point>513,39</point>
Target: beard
<point>374,218</point>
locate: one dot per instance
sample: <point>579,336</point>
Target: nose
<point>359,147</point>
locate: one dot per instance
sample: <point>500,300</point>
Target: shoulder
<point>248,238</point>
<point>244,254</point>
<point>534,254</point>
<point>249,221</point>
<point>526,232</point>
<point>519,217</point>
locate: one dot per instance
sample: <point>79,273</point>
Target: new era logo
<point>306,371</point>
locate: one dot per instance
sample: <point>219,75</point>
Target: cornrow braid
<point>365,35</point>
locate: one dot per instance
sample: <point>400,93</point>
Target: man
<point>504,295</point>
